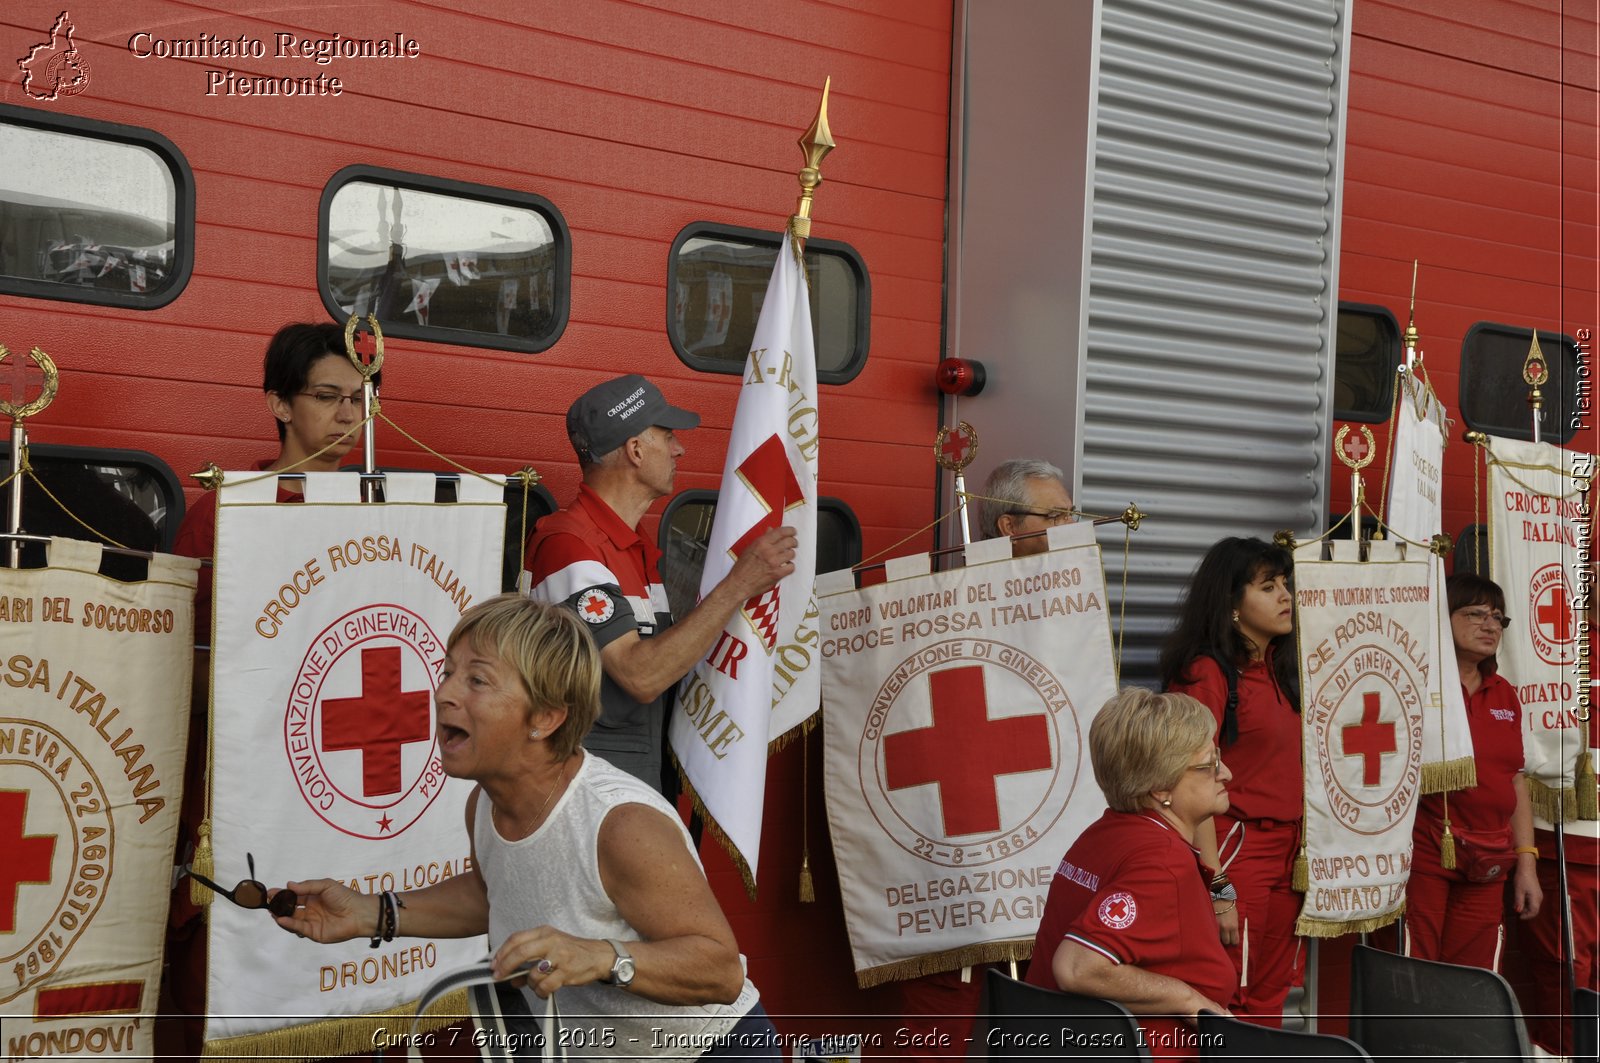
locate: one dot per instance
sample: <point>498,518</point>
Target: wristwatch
<point>622,969</point>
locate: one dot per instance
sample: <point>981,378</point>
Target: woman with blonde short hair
<point>583,877</point>
<point>1129,917</point>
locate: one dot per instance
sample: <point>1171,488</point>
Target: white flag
<point>761,678</point>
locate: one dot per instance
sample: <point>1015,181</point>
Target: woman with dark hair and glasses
<point>1233,649</point>
<point>583,877</point>
<point>1453,914</point>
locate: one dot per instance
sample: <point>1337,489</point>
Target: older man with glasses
<point>1023,498</point>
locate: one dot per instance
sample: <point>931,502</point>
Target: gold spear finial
<point>1535,371</point>
<point>815,143</point>
<point>1411,323</point>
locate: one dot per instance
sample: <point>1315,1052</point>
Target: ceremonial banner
<point>1414,513</point>
<point>760,680</point>
<point>956,748</point>
<point>97,678</point>
<point>1370,679</point>
<point>1539,525</point>
<point>331,620</point>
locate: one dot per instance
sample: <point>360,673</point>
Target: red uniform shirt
<point>1268,781</point>
<point>1495,718</point>
<point>1133,890</point>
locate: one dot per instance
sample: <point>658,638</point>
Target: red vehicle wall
<point>634,119</point>
<point>1471,146</point>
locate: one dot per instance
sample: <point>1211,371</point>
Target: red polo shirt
<point>1268,781</point>
<point>1495,718</point>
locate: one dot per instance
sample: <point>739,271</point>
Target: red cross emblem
<point>1553,613</point>
<point>1119,910</point>
<point>956,447</point>
<point>595,606</point>
<point>28,856</point>
<point>379,722</point>
<point>1369,740</point>
<point>1355,446</point>
<point>965,751</point>
<point>769,475</point>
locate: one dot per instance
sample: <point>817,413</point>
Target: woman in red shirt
<point>1128,917</point>
<point>1233,650</point>
<point>1454,915</point>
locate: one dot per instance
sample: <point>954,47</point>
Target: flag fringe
<point>1557,805</point>
<point>1013,951</point>
<point>1310,927</point>
<point>343,1036</point>
<point>1446,775</point>
<point>799,730</point>
<point>746,874</point>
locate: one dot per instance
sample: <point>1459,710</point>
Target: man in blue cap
<point>590,557</point>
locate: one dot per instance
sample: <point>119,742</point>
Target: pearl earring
<point>1167,803</point>
<point>1236,616</point>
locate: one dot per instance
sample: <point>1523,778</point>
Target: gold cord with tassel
<point>202,865</point>
<point>1447,843</point>
<point>808,889</point>
<point>1300,877</point>
<point>1583,781</point>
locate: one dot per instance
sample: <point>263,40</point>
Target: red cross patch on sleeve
<point>1118,911</point>
<point>595,606</point>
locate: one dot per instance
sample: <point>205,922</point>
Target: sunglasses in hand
<point>250,893</point>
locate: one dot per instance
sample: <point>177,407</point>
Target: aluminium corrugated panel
<point>1212,291</point>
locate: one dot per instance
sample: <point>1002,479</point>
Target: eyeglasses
<point>331,400</point>
<point>1214,765</point>
<point>250,893</point>
<point>1483,615</point>
<point>1051,517</point>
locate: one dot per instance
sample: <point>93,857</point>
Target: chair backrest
<point>1585,1026</point>
<point>1224,1037</point>
<point>1022,1021</point>
<point>1408,1008</point>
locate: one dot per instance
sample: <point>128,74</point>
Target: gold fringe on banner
<point>1584,783</point>
<point>343,1036</point>
<point>799,730</point>
<point>746,874</point>
<point>1013,951</point>
<point>1447,775</point>
<point>1328,928</point>
<point>1552,804</point>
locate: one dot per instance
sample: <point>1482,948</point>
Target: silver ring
<point>544,966</point>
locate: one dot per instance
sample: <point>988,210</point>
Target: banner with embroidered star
<point>956,718</point>
<point>97,675</point>
<point>331,618</point>
<point>1369,676</point>
<point>1541,525</point>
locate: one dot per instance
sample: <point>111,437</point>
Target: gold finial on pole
<point>815,143</point>
<point>19,410</point>
<point>1535,371</point>
<point>210,477</point>
<point>1411,322</point>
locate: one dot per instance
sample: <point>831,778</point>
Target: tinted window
<point>1366,356</point>
<point>92,212</point>
<point>1494,398</point>
<point>717,280</point>
<point>445,261</point>
<point>686,528</point>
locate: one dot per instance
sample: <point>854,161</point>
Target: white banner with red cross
<point>1540,521</point>
<point>761,678</point>
<point>1370,677</point>
<point>331,621</point>
<point>1415,513</point>
<point>956,754</point>
<point>97,677</point>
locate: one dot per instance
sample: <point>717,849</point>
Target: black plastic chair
<point>1408,1008</point>
<point>1224,1037</point>
<point>1022,1021</point>
<point>1585,1026</point>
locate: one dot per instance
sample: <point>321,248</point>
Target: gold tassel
<point>1584,783</point>
<point>201,863</point>
<point>808,891</point>
<point>1300,877</point>
<point>1447,849</point>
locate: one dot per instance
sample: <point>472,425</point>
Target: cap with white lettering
<point>608,415</point>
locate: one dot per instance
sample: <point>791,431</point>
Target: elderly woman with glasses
<point>1128,917</point>
<point>582,876</point>
<point>1453,914</point>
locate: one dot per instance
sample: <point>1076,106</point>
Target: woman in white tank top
<point>582,876</point>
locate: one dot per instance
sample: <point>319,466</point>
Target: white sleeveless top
<point>552,877</point>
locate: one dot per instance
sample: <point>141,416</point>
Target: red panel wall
<point>1472,146</point>
<point>635,119</point>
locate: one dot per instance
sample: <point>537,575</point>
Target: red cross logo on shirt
<point>965,751</point>
<point>27,856</point>
<point>379,722</point>
<point>1369,740</point>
